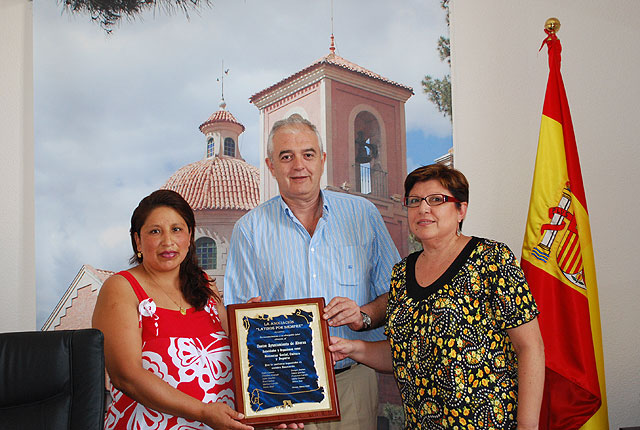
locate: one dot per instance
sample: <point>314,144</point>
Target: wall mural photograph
<point>181,100</point>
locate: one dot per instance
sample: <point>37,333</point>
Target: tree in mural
<point>109,13</point>
<point>438,91</point>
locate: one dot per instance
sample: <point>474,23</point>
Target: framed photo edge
<point>333,413</point>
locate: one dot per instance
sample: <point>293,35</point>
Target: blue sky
<point>116,115</point>
<point>423,148</point>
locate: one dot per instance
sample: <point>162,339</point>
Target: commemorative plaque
<point>282,366</point>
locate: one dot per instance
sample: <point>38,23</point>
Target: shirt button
<point>312,249</point>
<point>314,276</point>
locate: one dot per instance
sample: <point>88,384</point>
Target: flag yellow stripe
<point>546,192</point>
<point>599,420</point>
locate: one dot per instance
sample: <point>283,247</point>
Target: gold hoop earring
<point>458,231</point>
<point>139,254</point>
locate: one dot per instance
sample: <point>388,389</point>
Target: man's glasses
<point>431,199</point>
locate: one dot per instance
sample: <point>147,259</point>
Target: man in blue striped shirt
<point>309,242</point>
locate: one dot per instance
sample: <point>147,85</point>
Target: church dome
<point>218,182</point>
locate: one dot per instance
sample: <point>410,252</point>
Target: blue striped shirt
<point>350,254</point>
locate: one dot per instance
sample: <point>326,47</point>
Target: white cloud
<point>116,236</point>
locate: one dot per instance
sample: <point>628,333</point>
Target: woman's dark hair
<point>194,283</point>
<point>450,178</point>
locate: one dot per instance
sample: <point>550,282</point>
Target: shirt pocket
<point>351,264</point>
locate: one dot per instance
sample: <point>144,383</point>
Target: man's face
<point>297,163</point>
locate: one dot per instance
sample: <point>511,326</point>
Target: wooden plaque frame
<point>266,313</point>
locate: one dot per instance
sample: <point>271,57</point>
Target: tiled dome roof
<point>217,183</point>
<point>221,116</point>
<point>336,61</point>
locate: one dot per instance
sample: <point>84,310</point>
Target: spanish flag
<point>557,258</point>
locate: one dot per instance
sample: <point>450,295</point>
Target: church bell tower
<point>360,116</point>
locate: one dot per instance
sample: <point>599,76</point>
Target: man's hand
<point>343,311</point>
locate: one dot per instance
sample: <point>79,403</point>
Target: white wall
<point>17,261</point>
<point>499,80</point>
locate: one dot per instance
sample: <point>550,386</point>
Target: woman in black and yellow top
<point>463,338</point>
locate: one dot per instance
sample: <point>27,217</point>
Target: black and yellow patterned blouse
<point>452,358</point>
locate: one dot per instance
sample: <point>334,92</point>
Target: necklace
<point>183,311</point>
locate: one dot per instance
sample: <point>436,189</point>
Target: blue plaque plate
<point>282,367</point>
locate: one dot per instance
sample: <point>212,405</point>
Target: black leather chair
<point>52,380</point>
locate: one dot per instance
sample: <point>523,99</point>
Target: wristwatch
<point>366,321</point>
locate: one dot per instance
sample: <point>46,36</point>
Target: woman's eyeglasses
<point>431,199</point>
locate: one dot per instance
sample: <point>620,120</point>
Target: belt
<point>344,369</point>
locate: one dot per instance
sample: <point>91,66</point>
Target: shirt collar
<point>326,204</point>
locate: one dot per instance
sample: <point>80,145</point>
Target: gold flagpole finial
<point>552,25</point>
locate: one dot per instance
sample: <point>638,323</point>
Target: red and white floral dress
<point>190,352</point>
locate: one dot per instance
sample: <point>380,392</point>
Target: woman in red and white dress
<point>166,350</point>
<point>164,324</point>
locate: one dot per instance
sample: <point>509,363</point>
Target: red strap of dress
<point>137,288</point>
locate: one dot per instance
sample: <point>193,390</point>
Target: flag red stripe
<point>564,394</point>
<point>572,393</point>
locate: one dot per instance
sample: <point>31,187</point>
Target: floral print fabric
<point>190,352</point>
<point>453,361</point>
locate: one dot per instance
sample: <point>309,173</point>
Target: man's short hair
<point>295,120</point>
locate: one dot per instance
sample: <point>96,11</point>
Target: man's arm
<point>385,257</point>
<point>376,310</point>
<point>384,254</point>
